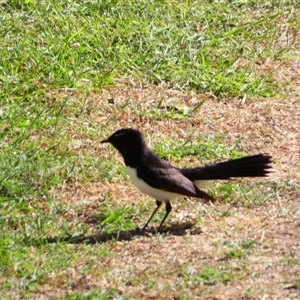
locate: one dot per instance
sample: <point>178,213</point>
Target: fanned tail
<point>250,166</point>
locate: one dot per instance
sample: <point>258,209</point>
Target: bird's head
<point>126,141</point>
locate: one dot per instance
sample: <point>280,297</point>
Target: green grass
<point>55,57</point>
<point>208,276</point>
<point>236,249</point>
<point>209,148</point>
<point>84,45</point>
<point>101,295</point>
<point>292,258</point>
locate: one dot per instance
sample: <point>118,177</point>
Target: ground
<point>205,81</point>
<point>266,236</point>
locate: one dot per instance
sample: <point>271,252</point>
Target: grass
<point>205,82</point>
<point>208,276</point>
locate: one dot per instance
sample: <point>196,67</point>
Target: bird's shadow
<point>124,235</point>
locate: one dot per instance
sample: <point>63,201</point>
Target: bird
<point>160,180</point>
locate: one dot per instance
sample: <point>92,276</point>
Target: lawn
<point>204,81</point>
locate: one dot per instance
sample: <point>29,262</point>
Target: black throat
<point>134,154</point>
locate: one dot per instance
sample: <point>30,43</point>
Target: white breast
<point>150,191</point>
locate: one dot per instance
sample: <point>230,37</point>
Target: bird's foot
<point>144,229</point>
<point>140,229</point>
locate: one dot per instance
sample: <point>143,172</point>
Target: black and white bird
<point>160,180</point>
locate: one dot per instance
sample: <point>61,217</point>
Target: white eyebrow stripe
<point>119,134</point>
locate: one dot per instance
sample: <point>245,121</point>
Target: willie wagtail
<point>163,182</point>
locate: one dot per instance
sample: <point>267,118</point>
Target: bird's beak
<point>104,141</point>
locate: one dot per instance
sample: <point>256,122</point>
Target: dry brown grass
<point>250,242</point>
<point>152,267</point>
<point>165,266</point>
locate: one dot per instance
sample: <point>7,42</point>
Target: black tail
<point>250,166</point>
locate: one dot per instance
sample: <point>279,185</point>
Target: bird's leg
<point>168,209</point>
<point>158,204</point>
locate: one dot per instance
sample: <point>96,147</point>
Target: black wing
<point>160,175</point>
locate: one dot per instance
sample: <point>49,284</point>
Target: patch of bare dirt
<point>159,267</point>
<point>168,266</point>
